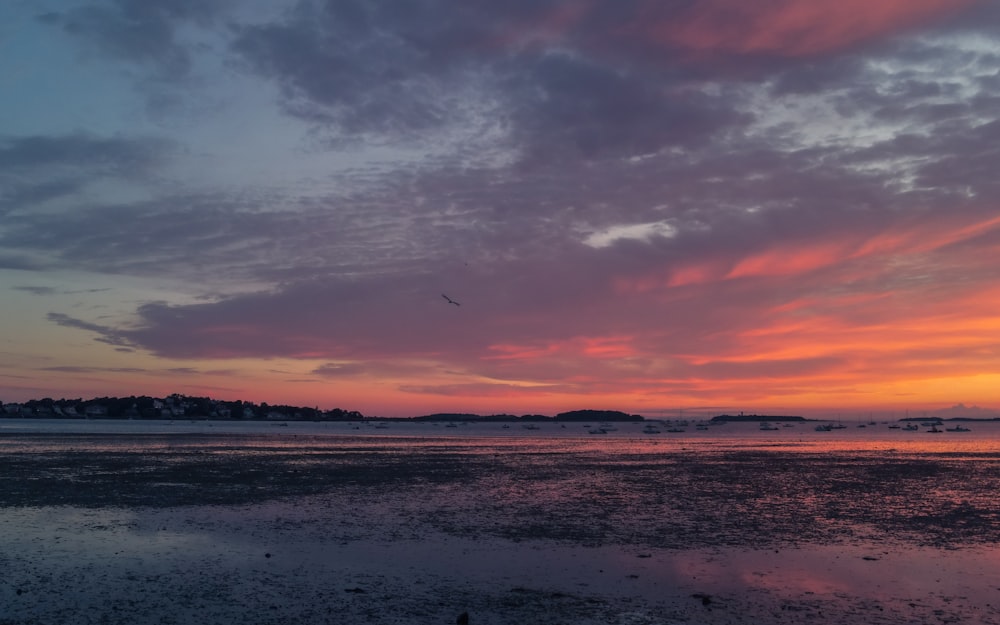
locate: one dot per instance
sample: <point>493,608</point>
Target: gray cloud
<point>73,369</point>
<point>137,31</point>
<point>19,262</point>
<point>373,69</point>
<point>36,290</point>
<point>106,156</point>
<point>484,218</point>
<point>565,103</point>
<point>336,370</point>
<point>18,195</point>
<point>35,170</point>
<point>359,65</point>
<point>105,334</point>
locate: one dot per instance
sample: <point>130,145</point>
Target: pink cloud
<point>582,346</point>
<point>546,28</point>
<point>789,260</point>
<point>910,239</point>
<point>789,28</point>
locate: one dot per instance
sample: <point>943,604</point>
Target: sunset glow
<point>791,27</point>
<point>783,206</point>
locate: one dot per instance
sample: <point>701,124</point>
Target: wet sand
<point>258,529</point>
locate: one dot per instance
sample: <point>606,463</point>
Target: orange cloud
<point>943,339</point>
<point>792,28</point>
<point>926,236</point>
<point>693,274</point>
<point>508,351</point>
<point>608,347</point>
<point>827,303</point>
<point>907,312</point>
<point>787,259</point>
<point>591,347</point>
<point>864,344</point>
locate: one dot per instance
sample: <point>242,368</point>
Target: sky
<point>782,206</point>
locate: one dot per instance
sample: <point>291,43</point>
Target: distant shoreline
<point>475,418</point>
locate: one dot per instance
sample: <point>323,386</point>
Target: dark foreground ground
<point>257,529</point>
<point>582,495</point>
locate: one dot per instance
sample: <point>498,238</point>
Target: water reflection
<point>769,522</point>
<point>275,559</point>
<point>983,437</point>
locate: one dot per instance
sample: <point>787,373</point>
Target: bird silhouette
<point>449,300</point>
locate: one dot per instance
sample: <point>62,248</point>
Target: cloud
<point>36,290</point>
<point>20,195</point>
<point>625,196</point>
<point>20,262</point>
<point>100,155</point>
<point>105,334</point>
<point>371,70</point>
<point>789,28</point>
<point>221,238</point>
<point>74,369</point>
<point>38,169</point>
<point>137,31</point>
<point>494,391</point>
<point>336,370</point>
<point>48,290</point>
<point>641,232</point>
<point>365,66</point>
<point>171,371</point>
<point>552,327</point>
<point>563,103</point>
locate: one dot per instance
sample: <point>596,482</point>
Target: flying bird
<point>449,300</point>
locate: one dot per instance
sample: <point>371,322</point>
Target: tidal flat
<point>349,528</point>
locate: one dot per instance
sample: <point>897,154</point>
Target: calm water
<point>984,437</point>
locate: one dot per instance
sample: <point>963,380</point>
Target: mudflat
<point>165,528</point>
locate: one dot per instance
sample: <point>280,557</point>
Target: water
<point>425,521</point>
<point>984,436</point>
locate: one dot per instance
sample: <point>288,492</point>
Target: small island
<point>753,418</point>
<point>574,416</point>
